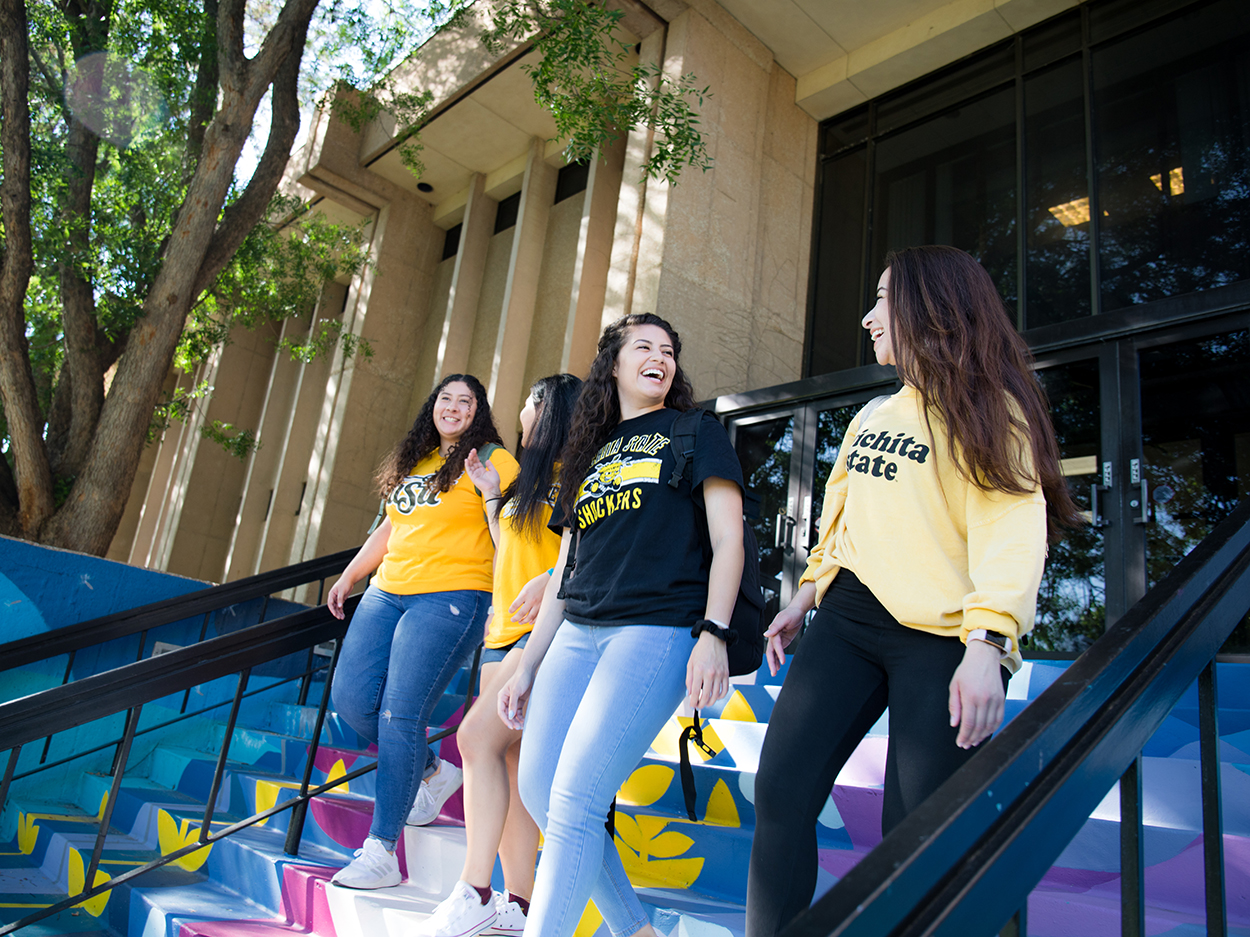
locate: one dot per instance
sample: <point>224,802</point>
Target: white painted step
<point>435,856</point>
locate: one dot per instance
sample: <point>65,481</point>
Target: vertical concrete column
<point>594,257</point>
<point>466,281</point>
<point>156,503</point>
<point>638,239</point>
<point>256,501</point>
<point>507,373</point>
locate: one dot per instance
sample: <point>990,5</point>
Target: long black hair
<point>599,407</point>
<point>555,396</point>
<point>423,439</point>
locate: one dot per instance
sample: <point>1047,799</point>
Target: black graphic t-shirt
<point>643,558</point>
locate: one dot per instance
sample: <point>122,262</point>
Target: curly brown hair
<point>955,343</point>
<point>598,408</point>
<point>423,439</point>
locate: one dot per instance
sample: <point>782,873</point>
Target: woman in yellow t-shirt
<point>423,614</point>
<point>495,819</point>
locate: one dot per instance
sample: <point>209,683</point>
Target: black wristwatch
<point>728,635</point>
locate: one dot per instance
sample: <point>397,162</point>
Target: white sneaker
<point>373,867</point>
<point>510,920</point>
<point>461,914</point>
<point>433,793</point>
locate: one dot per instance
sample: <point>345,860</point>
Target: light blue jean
<point>599,699</point>
<point>398,656</point>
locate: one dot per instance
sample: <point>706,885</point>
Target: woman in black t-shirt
<point>641,622</point>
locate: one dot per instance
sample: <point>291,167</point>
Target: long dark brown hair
<point>955,343</point>
<point>556,396</point>
<point>423,439</point>
<point>598,408</point>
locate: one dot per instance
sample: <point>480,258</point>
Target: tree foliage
<point>132,242</point>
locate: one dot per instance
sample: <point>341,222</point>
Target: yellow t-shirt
<point>519,560</point>
<point>439,540</point>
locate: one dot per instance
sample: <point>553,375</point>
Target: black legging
<point>853,662</point>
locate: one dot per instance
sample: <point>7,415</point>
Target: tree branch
<point>204,95</point>
<point>32,475</point>
<point>249,208</point>
<point>231,59</point>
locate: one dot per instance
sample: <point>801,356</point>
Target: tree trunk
<point>32,475</point>
<point>89,517</point>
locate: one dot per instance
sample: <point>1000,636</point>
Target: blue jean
<point>398,657</point>
<point>599,699</point>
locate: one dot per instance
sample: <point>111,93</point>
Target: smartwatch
<point>1001,641</point>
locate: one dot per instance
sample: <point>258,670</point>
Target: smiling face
<point>529,416</point>
<point>877,322</point>
<point>644,369</point>
<point>454,409</point>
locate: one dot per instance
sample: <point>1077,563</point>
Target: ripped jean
<point>398,657</point>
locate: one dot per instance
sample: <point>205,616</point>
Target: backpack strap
<point>378,518</point>
<point>691,733</point>
<point>870,406</point>
<point>684,437</point>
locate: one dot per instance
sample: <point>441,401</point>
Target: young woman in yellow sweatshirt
<point>932,541</point>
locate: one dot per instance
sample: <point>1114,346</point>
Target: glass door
<point>1194,461</point>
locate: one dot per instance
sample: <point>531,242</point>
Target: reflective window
<point>1173,132</point>
<point>952,180</point>
<point>835,339</point>
<point>1058,228</point>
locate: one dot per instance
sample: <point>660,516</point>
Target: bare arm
<point>515,693</point>
<point>707,673</point>
<point>486,477</point>
<point>367,559</point>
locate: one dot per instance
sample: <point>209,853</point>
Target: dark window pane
<point>764,449</point>
<point>1058,196</point>
<point>1196,447</point>
<point>952,180</point>
<point>451,243</point>
<point>947,87</point>
<point>1112,17</point>
<point>1052,40</point>
<point>1172,112</point>
<point>846,130</point>
<point>571,180</point>
<point>1071,603</point>
<point>838,308</point>
<point>506,213</point>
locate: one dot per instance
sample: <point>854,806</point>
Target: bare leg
<point>518,850</point>
<point>484,742</point>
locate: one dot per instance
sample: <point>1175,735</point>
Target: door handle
<point>1142,501</point>
<point>783,538</point>
<point>788,540</point>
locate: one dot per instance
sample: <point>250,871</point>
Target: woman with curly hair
<point>641,623</point>
<point>421,617</point>
<point>959,473</point>
<point>495,819</point>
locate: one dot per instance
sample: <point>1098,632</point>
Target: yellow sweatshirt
<point>941,554</point>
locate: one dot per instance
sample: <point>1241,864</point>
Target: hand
<point>976,699</point>
<point>484,475</point>
<point>707,671</point>
<point>338,594</point>
<point>780,633</point>
<point>530,599</point>
<point>513,697</point>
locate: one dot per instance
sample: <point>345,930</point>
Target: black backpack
<point>747,652</point>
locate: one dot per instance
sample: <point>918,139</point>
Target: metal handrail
<point>965,861</point>
<point>128,688</point>
<point>122,624</point>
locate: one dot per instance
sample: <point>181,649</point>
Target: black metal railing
<point>143,619</point>
<point>128,688</point>
<point>966,860</point>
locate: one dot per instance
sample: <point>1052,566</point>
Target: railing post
<point>1212,812</point>
<point>211,807</point>
<point>295,828</point>
<point>14,752</point>
<point>106,816</point>
<point>1132,862</point>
